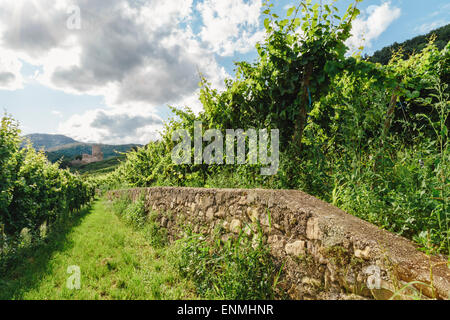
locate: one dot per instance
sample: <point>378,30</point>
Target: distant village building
<point>97,155</point>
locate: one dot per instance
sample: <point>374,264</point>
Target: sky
<point>105,71</point>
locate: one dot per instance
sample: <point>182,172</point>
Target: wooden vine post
<point>390,112</point>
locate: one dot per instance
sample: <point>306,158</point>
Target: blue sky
<point>110,78</point>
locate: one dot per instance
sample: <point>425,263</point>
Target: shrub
<point>234,269</point>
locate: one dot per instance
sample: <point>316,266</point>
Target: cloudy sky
<point>109,76</point>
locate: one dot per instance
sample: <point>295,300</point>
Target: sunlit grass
<point>116,262</point>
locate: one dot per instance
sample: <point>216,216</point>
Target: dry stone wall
<point>325,252</point>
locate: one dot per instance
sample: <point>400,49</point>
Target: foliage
<point>412,46</point>
<point>135,215</point>
<point>296,62</point>
<point>33,192</point>
<point>236,269</point>
<point>374,139</point>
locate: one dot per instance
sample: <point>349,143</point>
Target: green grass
<point>123,253</point>
<point>239,268</point>
<point>236,269</point>
<point>116,262</point>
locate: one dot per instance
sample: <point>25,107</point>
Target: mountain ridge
<point>46,141</point>
<point>59,147</point>
<point>410,46</point>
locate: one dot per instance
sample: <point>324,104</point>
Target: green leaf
<point>283,23</point>
<point>290,11</point>
<point>444,132</point>
<point>356,13</point>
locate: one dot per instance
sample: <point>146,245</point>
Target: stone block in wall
<point>296,248</point>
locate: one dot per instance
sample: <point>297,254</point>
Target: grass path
<point>116,262</point>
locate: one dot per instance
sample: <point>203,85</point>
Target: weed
<point>237,268</point>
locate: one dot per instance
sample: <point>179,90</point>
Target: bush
<point>236,269</point>
<point>135,214</point>
<point>33,192</point>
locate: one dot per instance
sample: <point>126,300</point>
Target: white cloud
<point>113,126</point>
<point>10,76</point>
<point>372,24</point>
<point>230,26</point>
<point>427,27</point>
<point>127,50</point>
<point>138,55</point>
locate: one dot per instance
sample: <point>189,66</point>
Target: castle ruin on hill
<point>96,156</point>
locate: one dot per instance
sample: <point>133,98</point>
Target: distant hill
<point>100,167</point>
<point>413,45</point>
<point>70,151</point>
<point>61,147</point>
<point>47,141</point>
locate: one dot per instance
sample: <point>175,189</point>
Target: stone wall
<point>325,252</point>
